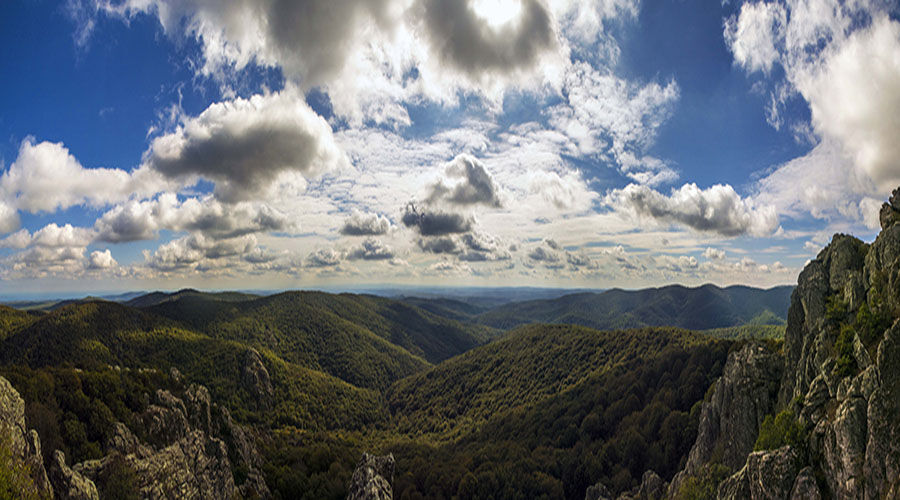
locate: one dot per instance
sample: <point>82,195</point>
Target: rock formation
<point>24,446</point>
<point>373,478</point>
<point>180,455</point>
<point>256,378</point>
<point>730,419</point>
<point>838,390</point>
<point>180,448</point>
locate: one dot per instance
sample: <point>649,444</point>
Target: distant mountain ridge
<point>701,308</point>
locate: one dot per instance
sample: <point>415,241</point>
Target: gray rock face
<point>852,416</point>
<point>766,475</point>
<point>69,484</point>
<point>256,378</point>
<point>184,454</point>
<point>24,445</point>
<point>373,478</point>
<point>805,487</point>
<point>597,492</point>
<point>730,420</point>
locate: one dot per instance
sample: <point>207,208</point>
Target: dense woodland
<point>468,410</point>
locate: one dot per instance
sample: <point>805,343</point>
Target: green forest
<point>468,410</point>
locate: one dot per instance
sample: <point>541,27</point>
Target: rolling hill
<point>302,318</point>
<point>700,308</point>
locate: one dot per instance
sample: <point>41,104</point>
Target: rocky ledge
<point>180,448</point>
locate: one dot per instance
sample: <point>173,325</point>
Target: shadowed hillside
<point>701,308</point>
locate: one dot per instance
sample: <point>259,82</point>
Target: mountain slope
<point>548,410</point>
<point>523,367</point>
<point>100,334</point>
<point>698,308</point>
<point>299,316</point>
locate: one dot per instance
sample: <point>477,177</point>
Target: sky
<point>272,144</point>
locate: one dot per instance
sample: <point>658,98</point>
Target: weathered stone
<point>730,420</point>
<point>373,478</point>
<point>805,487</point>
<point>69,484</point>
<point>256,378</point>
<point>652,487</point>
<point>24,446</point>
<point>187,458</point>
<point>124,441</point>
<point>767,475</point>
<point>165,422</point>
<point>597,492</point>
<point>196,403</point>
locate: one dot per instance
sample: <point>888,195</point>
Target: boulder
<point>69,484</point>
<point>767,475</point>
<point>373,478</point>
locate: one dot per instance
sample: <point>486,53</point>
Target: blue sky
<point>152,144</point>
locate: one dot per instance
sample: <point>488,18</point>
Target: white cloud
<point>717,209</point>
<point>854,97</point>
<point>713,253</point>
<point>324,257</point>
<point>467,183</point>
<point>244,145</point>
<point>102,260</point>
<point>9,218</point>
<point>753,34</point>
<point>843,60</point>
<point>371,249</point>
<point>49,236</point>
<point>365,224</point>
<point>45,177</point>
<point>615,119</point>
<point>142,220</point>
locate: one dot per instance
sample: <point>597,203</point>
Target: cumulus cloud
<point>754,33</point>
<point>541,254</point>
<point>713,253</point>
<point>45,177</point>
<point>9,218</point>
<point>854,97</point>
<point>473,184</point>
<point>718,209</point>
<point>324,257</point>
<point>198,252</point>
<point>461,38</point>
<point>49,236</point>
<point>840,59</point>
<point>435,223</point>
<point>243,145</point>
<point>102,260</point>
<point>142,220</point>
<point>365,224</point>
<point>371,249</point>
<point>441,244</point>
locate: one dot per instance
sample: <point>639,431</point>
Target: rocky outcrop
<point>256,378</point>
<point>598,492</point>
<point>24,445</point>
<point>842,377</point>
<point>373,478</point>
<point>182,452</point>
<point>729,421</point>
<point>69,484</point>
<point>766,475</point>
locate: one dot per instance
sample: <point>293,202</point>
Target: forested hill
<point>700,308</point>
<point>292,323</point>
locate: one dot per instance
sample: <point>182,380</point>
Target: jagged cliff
<point>831,398</point>
<point>177,448</point>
